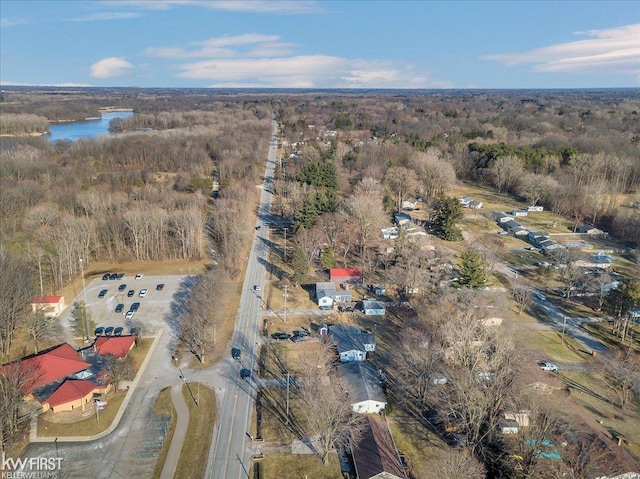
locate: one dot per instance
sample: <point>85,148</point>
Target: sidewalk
<point>182,412</point>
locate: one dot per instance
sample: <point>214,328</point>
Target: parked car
<point>545,366</point>
<point>143,293</point>
<point>105,277</point>
<point>300,333</point>
<point>99,331</point>
<point>129,314</point>
<point>113,276</point>
<point>119,308</point>
<point>159,287</point>
<point>135,306</point>
<point>236,354</point>
<point>540,296</point>
<point>108,331</point>
<point>120,276</point>
<point>122,287</point>
<point>103,293</point>
<point>130,293</point>
<point>245,374</point>
<point>280,336</point>
<point>139,276</point>
<point>118,331</point>
<point>297,339</point>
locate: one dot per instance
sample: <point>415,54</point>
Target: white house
<point>475,205</point>
<point>50,306</point>
<point>410,203</point>
<point>373,308</point>
<point>353,344</point>
<point>327,295</point>
<point>367,396</point>
<point>465,200</point>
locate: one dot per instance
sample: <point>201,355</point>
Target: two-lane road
<point>230,456</point>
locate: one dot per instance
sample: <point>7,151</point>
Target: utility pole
<point>84,293</point>
<point>287,418</point>
<point>285,301</point>
<point>285,244</point>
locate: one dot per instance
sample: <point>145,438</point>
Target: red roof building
<point>49,366</point>
<point>346,276</point>
<point>73,394</point>
<point>374,453</point>
<point>117,346</point>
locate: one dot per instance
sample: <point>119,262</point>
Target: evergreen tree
<point>307,214</point>
<point>328,258</point>
<point>446,211</point>
<point>82,320</point>
<point>300,267</point>
<point>472,270</point>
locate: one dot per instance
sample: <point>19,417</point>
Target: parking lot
<point>155,309</point>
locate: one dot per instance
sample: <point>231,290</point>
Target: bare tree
<point>435,175</point>
<point>458,463</point>
<point>16,292</point>
<point>401,182</point>
<point>521,295</point>
<point>506,172</point>
<point>621,373</point>
<point>118,369</point>
<point>368,216</point>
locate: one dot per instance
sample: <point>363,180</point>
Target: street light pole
<point>84,294</point>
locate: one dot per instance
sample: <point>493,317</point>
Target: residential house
<point>410,203</point>
<point>579,245</point>
<point>118,346</point>
<point>390,233</point>
<point>346,276</point>
<point>535,237</point>
<point>501,216</point>
<point>366,394</point>
<point>374,452</point>
<point>508,426</point>
<point>373,308</point>
<point>51,306</point>
<point>535,208</point>
<point>475,205</point>
<point>517,213</point>
<point>549,245</point>
<point>353,344</point>
<point>590,230</point>
<point>465,201</point>
<point>401,219</point>
<point>514,228</point>
<point>327,295</point>
<point>74,394</point>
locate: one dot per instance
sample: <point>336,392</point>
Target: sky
<point>321,44</point>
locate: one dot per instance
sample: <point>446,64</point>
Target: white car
<point>548,367</point>
<point>139,276</point>
<point>256,287</point>
<point>540,296</point>
<point>129,314</point>
<point>143,293</point>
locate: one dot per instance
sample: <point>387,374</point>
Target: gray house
<point>327,295</point>
<point>366,395</point>
<point>353,344</point>
<point>373,308</point>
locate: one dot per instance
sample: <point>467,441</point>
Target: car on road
<point>108,331</point>
<point>540,296</point>
<point>236,354</point>
<point>122,287</point>
<point>159,287</point>
<point>99,331</point>
<point>103,293</point>
<point>135,306</point>
<point>143,293</point>
<point>139,276</point>
<point>545,366</point>
<point>105,277</point>
<point>130,293</point>
<point>245,374</point>
<point>256,287</point>
<point>129,314</point>
<point>258,227</point>
<point>279,336</point>
<point>118,331</point>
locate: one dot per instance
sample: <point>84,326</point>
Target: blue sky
<point>324,44</point>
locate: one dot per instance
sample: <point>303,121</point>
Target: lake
<point>75,130</point>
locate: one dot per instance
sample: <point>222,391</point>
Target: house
<point>327,295</point>
<point>47,367</point>
<point>514,228</point>
<point>343,276</point>
<point>366,394</point>
<point>74,394</point>
<point>501,217</point>
<point>550,245</point>
<point>522,418</point>
<point>465,201</point>
<point>517,213</point>
<point>374,452</point>
<point>579,244</point>
<point>508,426</point>
<point>409,203</point>
<point>589,230</point>
<point>535,237</point>
<point>373,308</point>
<point>401,219</point>
<point>475,205</point>
<point>353,344</point>
<point>117,346</point>
<point>535,208</point>
<point>389,233</point>
<point>51,306</point>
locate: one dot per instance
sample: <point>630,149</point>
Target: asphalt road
<point>230,455</point>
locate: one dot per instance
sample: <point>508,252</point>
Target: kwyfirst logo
<point>30,467</point>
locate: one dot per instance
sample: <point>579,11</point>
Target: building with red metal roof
<point>117,346</point>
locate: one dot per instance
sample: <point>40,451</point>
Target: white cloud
<point>248,45</point>
<point>105,16</point>
<point>615,50</point>
<point>12,22</point>
<point>288,7</point>
<point>111,68</point>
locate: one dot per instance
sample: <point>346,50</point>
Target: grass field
<point>286,466</point>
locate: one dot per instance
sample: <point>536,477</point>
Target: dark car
<point>120,276</point>
<point>236,354</point>
<point>119,308</point>
<point>130,293</point>
<point>134,307</point>
<point>113,276</point>
<point>108,331</point>
<point>280,336</point>
<point>122,287</point>
<point>103,293</point>
<point>118,331</point>
<point>300,333</point>
<point>99,331</point>
<point>105,276</point>
<point>245,374</point>
<point>297,339</point>
<point>159,287</point>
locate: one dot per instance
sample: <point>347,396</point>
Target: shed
<point>373,308</point>
<point>118,346</point>
<point>51,306</point>
<point>508,426</point>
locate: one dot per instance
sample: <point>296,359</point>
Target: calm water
<point>85,129</point>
